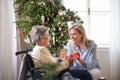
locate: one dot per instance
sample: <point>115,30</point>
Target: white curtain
<point>8,66</point>
<point>115,40</point>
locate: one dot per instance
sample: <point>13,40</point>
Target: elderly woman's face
<point>75,36</point>
<point>46,39</point>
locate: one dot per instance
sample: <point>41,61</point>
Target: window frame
<point>87,22</point>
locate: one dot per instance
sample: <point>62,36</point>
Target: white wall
<point>7,41</point>
<point>115,40</point>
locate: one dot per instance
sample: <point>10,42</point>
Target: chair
<point>27,68</point>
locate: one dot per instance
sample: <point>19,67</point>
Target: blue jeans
<point>81,74</point>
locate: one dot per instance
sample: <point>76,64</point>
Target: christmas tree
<point>51,13</point>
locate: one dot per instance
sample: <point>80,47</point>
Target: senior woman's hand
<point>70,60</point>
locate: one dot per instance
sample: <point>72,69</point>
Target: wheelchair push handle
<point>23,51</point>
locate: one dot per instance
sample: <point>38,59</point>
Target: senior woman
<point>41,55</point>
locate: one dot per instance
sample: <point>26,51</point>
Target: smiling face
<point>78,36</point>
<point>45,39</point>
<point>75,35</point>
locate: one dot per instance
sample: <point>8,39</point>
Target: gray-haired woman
<point>41,55</point>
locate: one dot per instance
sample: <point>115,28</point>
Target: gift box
<point>73,55</point>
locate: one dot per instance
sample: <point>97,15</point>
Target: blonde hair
<point>84,41</point>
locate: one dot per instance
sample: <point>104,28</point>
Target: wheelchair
<point>27,68</point>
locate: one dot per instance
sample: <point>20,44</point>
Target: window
<point>96,17</point>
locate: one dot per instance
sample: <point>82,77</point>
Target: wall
<point>115,40</point>
<point>8,59</point>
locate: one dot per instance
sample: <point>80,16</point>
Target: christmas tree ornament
<point>43,3</point>
<point>43,18</point>
<point>53,38</point>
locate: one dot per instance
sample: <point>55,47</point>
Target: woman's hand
<point>70,60</point>
<point>82,62</point>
